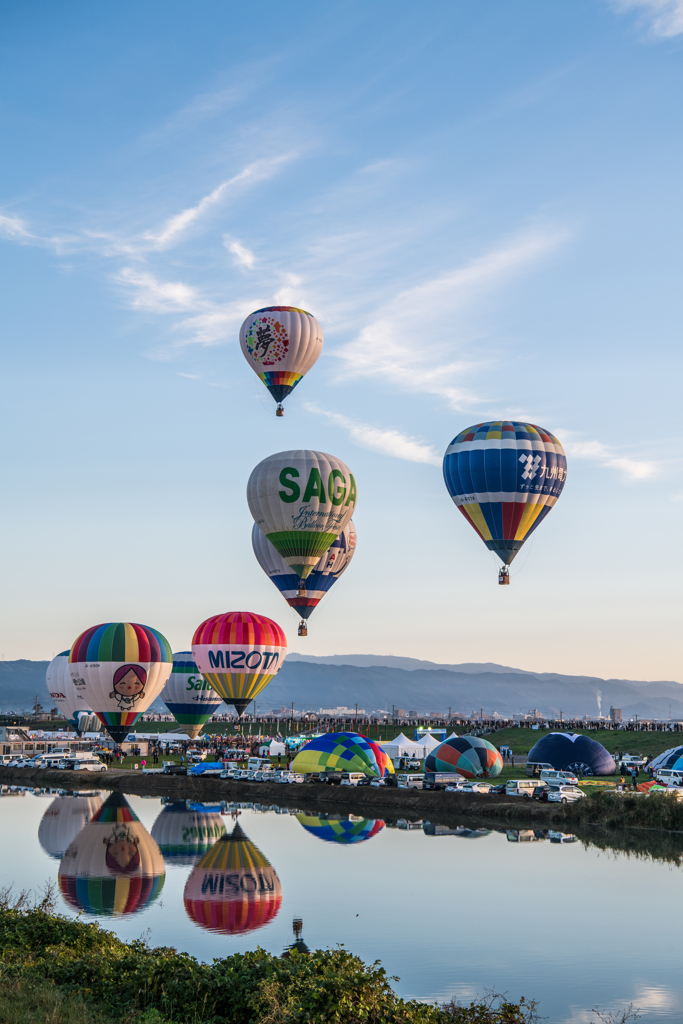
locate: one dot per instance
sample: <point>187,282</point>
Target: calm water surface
<point>451,914</point>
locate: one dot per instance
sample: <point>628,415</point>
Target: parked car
<point>92,764</point>
<point>378,783</point>
<point>410,781</point>
<point>352,778</point>
<point>474,786</point>
<point>457,785</point>
<point>330,778</point>
<point>19,762</point>
<point>229,773</point>
<point>565,794</point>
<point>561,778</point>
<point>522,787</point>
<point>175,769</point>
<point>669,777</point>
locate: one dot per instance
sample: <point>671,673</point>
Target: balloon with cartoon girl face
<point>121,668</point>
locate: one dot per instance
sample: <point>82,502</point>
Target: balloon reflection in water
<point>335,829</point>
<point>113,866</point>
<point>185,830</point>
<point>64,819</point>
<point>233,889</point>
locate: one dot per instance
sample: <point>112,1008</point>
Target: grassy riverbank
<point>61,971</point>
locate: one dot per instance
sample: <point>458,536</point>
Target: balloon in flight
<point>239,653</point>
<point>233,889</point>
<point>301,501</point>
<point>189,697</point>
<point>70,701</point>
<point>322,578</point>
<point>120,668</point>
<point>113,866</point>
<point>185,830</point>
<point>281,344</point>
<point>505,476</point>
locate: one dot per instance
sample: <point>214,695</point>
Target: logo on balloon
<point>266,340</point>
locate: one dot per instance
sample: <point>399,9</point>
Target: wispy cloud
<point>664,18</point>
<point>14,228</point>
<point>147,292</point>
<point>243,257</point>
<point>409,340</point>
<point>596,451</point>
<point>386,442</point>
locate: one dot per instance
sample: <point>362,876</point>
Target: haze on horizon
<point>480,204</point>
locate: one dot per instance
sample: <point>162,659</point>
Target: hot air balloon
<point>184,831</point>
<point>233,889</point>
<point>505,476</point>
<point>281,344</point>
<point>239,653</point>
<point>188,696</point>
<point>343,752</point>
<point>470,756</point>
<point>572,752</point>
<point>64,819</point>
<point>332,828</point>
<point>70,701</point>
<point>324,575</point>
<point>113,866</point>
<point>301,501</point>
<point>121,668</point>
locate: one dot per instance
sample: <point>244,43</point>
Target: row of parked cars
<point>553,786</point>
<point>58,757</point>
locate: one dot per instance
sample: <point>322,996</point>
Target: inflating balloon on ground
<point>470,756</point>
<point>343,752</point>
<point>572,752</point>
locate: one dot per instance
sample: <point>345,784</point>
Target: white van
<point>352,778</point>
<point>669,776</point>
<point>522,787</point>
<point>61,751</point>
<point>559,778</point>
<point>256,764</point>
<point>410,781</point>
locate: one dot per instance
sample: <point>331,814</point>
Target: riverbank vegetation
<point>62,971</point>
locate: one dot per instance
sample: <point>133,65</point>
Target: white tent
<point>276,749</point>
<point>429,742</point>
<point>401,746</point>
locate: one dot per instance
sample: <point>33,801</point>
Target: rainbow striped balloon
<point>343,752</point>
<point>239,653</point>
<point>120,668</point>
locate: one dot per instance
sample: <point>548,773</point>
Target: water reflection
<point>185,830</point>
<point>64,819</point>
<point>233,889</point>
<point>337,828</point>
<point>430,829</point>
<point>113,866</point>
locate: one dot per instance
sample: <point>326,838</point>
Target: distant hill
<point>376,682</point>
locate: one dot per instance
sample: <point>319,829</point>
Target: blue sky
<point>480,202</point>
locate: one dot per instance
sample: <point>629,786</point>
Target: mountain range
<point>376,682</point>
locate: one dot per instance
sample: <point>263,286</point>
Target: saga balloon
<point>324,575</point>
<point>121,668</point>
<point>70,701</point>
<point>301,501</point>
<point>188,696</point>
<point>239,653</point>
<point>505,477</point>
<point>185,830</point>
<point>281,344</point>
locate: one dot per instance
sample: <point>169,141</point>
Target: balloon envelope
<point>64,819</point>
<point>70,701</point>
<point>505,476</point>
<point>239,653</point>
<point>470,756</point>
<point>335,829</point>
<point>568,751</point>
<point>281,344</point>
<point>189,697</point>
<point>343,752</point>
<point>233,889</point>
<point>113,866</point>
<point>121,668</point>
<point>321,579</point>
<point>184,833</point>
<point>301,500</point>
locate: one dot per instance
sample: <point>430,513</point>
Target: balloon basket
<point>303,628</point>
<point>504,577</point>
<point>301,592</point>
<point>279,411</point>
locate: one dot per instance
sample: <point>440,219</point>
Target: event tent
<point>401,746</point>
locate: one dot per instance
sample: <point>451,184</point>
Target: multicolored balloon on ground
<point>120,668</point>
<point>70,702</point>
<point>64,819</point>
<point>343,752</point>
<point>573,752</point>
<point>301,501</point>
<point>184,831</point>
<point>189,697</point>
<point>470,756</point>
<point>335,829</point>
<point>113,866</point>
<point>505,477</point>
<point>233,889</point>
<point>281,344</point>
<point>239,653</point>
<point>324,575</point>
<point>671,758</point>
